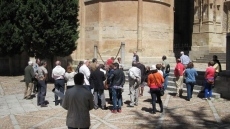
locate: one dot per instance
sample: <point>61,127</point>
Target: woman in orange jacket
<point>155,81</point>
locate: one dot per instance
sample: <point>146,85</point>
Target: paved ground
<point>17,113</point>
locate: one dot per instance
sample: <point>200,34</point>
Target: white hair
<point>182,53</point>
<point>30,62</point>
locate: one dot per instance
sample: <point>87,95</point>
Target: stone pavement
<point>17,113</point>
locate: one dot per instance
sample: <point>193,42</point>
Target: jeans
<point>166,76</point>
<point>207,89</point>
<point>59,85</point>
<point>78,128</point>
<point>189,86</point>
<point>42,87</point>
<point>101,95</point>
<point>116,93</point>
<point>155,94</point>
<point>110,93</point>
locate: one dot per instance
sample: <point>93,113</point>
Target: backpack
<point>167,68</point>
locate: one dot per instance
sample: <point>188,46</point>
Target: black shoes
<point>104,108</point>
<point>43,105</point>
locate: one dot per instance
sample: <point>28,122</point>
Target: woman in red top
<point>209,80</point>
<point>155,81</point>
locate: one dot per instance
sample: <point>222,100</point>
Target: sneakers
<point>209,98</point>
<point>131,105</point>
<point>113,111</point>
<point>205,99</point>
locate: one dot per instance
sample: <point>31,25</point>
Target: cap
<point>153,67</point>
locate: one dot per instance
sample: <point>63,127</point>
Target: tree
<point>11,42</point>
<point>49,28</point>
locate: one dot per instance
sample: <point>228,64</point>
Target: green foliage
<point>49,28</point>
<point>11,41</point>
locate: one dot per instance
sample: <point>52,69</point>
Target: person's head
<point>153,69</point>
<point>80,63</point>
<point>134,64</point>
<point>30,63</point>
<point>112,58</point>
<point>94,60</point>
<point>86,62</point>
<point>215,57</point>
<point>182,53</point>
<point>134,53</point>
<point>158,66</point>
<point>58,62</point>
<point>210,63</point>
<point>101,66</point>
<point>79,79</point>
<point>38,61</point>
<point>119,59</point>
<point>164,57</point>
<point>69,69</point>
<point>178,60</point>
<point>43,63</point>
<point>190,65</point>
<point>115,65</point>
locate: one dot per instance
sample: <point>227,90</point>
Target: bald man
<point>59,83</point>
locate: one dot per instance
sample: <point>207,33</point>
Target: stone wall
<point>145,26</point>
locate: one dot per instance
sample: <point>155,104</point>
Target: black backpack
<point>167,68</point>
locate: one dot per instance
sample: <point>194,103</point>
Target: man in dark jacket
<point>143,70</point>
<point>96,80</point>
<point>117,82</point>
<point>29,74</point>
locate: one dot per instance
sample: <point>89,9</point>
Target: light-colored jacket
<point>134,73</point>
<point>85,70</point>
<point>69,77</point>
<point>78,101</point>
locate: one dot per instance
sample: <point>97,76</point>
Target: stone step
<point>172,89</point>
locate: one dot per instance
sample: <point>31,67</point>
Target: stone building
<point>152,28</point>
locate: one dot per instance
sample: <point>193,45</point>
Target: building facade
<point>152,28</point>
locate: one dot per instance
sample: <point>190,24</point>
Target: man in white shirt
<point>134,82</point>
<point>84,69</point>
<point>59,83</point>
<point>184,59</point>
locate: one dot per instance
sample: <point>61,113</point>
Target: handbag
<point>106,86</point>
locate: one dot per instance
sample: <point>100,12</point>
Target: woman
<point>69,76</point>
<point>79,65</point>
<point>190,77</point>
<point>209,80</point>
<point>155,80</point>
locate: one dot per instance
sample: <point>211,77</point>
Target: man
<point>117,82</point>
<point>134,82</point>
<point>184,59</point>
<point>42,85</point>
<point>135,57</point>
<point>78,101</point>
<point>35,67</point>
<point>59,83</point>
<point>166,70</point>
<point>178,72</point>
<point>29,75</point>
<point>110,61</point>
<point>142,83</point>
<point>97,79</point>
<point>93,65</point>
<point>86,72</point>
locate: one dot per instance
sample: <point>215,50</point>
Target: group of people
<point>86,85</point>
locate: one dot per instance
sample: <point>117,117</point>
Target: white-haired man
<point>28,76</point>
<point>58,75</point>
<point>184,59</point>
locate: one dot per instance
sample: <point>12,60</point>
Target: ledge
<point>153,1</point>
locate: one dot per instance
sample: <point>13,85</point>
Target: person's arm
<point>87,73</point>
<point>32,73</point>
<point>137,58</point>
<point>123,80</point>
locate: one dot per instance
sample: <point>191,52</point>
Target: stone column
<point>95,51</point>
<point>139,25</point>
<point>122,53</point>
<point>228,52</point>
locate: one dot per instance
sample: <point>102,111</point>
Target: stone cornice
<point>154,1</point>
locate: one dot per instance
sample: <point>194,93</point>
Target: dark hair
<point>43,62</point>
<point>134,64</point>
<point>211,63</point>
<point>116,65</point>
<point>164,57</point>
<point>79,79</point>
<point>190,65</point>
<point>214,57</point>
<point>94,60</point>
<point>101,66</point>
<point>158,66</point>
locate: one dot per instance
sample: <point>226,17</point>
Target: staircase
<point>198,88</point>
<point>207,58</point>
